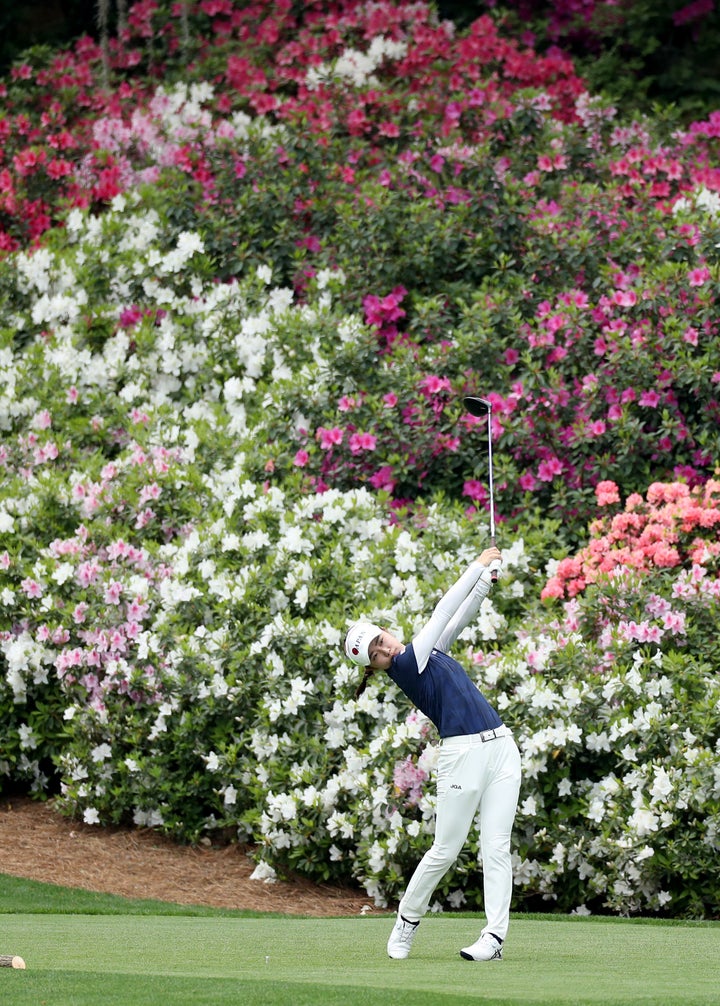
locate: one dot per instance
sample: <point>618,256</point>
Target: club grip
<point>493,570</point>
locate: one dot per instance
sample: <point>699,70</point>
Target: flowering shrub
<point>230,412</point>
<point>640,52</point>
<point>672,527</point>
<point>499,229</point>
<point>620,806</point>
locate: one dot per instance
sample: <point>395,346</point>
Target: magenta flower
<point>548,469</point>
<point>390,400</point>
<point>650,398</point>
<point>625,298</point>
<point>362,442</point>
<point>383,479</point>
<point>693,12</point>
<point>527,482</point>
<point>130,317</point>
<point>696,277</point>
<point>301,458</point>
<point>329,438</point>
<point>475,490</point>
<point>433,385</point>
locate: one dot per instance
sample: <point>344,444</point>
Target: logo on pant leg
<point>455,786</point>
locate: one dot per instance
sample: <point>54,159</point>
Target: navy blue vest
<point>445,693</point>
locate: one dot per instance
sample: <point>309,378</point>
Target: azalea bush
<point>235,333</point>
<point>641,51</point>
<point>613,697</point>
<point>497,227</point>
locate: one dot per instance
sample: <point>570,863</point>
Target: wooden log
<point>11,961</point>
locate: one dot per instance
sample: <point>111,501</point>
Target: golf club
<point>480,407</point>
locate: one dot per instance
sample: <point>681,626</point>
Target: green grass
<point>152,954</point>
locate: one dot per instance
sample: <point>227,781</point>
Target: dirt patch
<point>39,844</point>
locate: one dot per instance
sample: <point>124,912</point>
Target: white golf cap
<point>357,642</point>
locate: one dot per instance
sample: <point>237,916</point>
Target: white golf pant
<point>473,777</point>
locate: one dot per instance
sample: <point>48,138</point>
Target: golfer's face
<point>382,649</point>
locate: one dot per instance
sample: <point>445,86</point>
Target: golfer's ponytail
<point>367,674</point>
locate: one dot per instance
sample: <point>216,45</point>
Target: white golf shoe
<point>487,948</point>
<point>401,937</point>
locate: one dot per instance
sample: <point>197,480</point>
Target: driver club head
<point>477,406</point>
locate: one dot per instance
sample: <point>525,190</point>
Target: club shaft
<point>491,486</point>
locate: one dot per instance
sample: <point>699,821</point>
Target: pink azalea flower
<point>383,479</point>
<point>696,277</point>
<point>527,482</point>
<point>42,420</point>
<point>362,442</point>
<point>113,592</point>
<point>409,779</point>
<point>301,458</point>
<point>144,517</point>
<point>31,588</point>
<point>137,610</point>
<point>607,492</point>
<point>434,385</point>
<point>130,316</point>
<point>674,622</point>
<point>475,490</point>
<point>132,630</point>
<point>80,612</point>
<point>149,492</point>
<point>548,469</point>
<point>87,573</point>
<point>329,438</point>
<point>625,298</point>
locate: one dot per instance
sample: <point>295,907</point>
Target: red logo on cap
<point>355,651</point>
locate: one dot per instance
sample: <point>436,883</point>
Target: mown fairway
<point>85,960</point>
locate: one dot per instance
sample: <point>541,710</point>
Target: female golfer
<point>479,765</point>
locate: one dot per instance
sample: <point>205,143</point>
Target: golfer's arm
<point>451,605</point>
<point>465,613</point>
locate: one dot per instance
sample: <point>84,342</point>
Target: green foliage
<point>645,55</point>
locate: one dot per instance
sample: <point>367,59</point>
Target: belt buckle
<point>488,735</point>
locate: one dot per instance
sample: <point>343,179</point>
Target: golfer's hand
<point>489,556</point>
